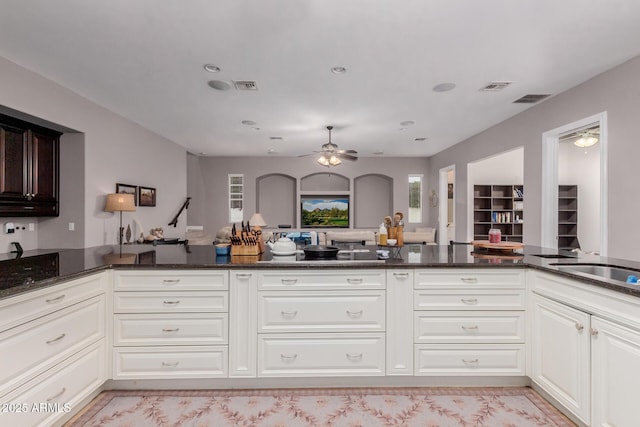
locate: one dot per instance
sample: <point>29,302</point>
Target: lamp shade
<point>257,220</point>
<point>120,202</point>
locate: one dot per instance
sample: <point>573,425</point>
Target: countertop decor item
<point>120,202</point>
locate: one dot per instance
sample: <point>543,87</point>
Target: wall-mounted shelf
<point>568,217</point>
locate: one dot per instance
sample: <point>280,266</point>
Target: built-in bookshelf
<point>568,217</point>
<point>498,206</point>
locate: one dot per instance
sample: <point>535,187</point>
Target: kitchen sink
<point>608,272</point>
<point>554,256</point>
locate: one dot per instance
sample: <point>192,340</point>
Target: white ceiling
<point>144,59</point>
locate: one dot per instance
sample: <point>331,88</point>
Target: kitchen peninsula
<point>75,322</point>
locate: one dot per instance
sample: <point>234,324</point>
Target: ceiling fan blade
<point>345,156</point>
<point>354,152</point>
<point>310,154</point>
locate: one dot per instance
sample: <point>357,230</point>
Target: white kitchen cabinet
<point>170,324</point>
<point>243,323</point>
<point>615,360</point>
<point>469,322</point>
<point>321,323</point>
<point>399,336</point>
<point>593,367</point>
<point>561,363</point>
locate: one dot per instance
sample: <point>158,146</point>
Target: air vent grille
<point>245,85</point>
<point>495,86</point>
<point>530,99</point>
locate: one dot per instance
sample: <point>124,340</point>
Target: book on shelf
<point>517,193</point>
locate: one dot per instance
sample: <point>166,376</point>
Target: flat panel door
<point>13,164</point>
<point>616,374</point>
<point>561,359</point>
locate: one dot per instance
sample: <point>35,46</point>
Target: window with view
<point>415,199</point>
<point>236,197</point>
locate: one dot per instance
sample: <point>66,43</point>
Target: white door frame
<point>443,195</point>
<point>549,194</point>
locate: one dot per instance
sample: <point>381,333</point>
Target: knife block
<point>245,250</point>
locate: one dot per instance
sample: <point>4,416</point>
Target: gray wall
<point>615,91</point>
<point>115,150</point>
<point>209,175</point>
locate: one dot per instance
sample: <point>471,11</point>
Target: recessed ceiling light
<point>338,70</point>
<point>444,87</point>
<point>275,138</point>
<point>212,68</point>
<point>219,85</point>
<point>248,122</point>
<point>420,139</point>
<point>255,128</point>
<point>407,123</point>
<point>272,151</point>
<point>378,152</point>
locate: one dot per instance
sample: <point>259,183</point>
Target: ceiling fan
<point>331,155</point>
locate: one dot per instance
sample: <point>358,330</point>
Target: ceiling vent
<point>245,85</point>
<point>530,99</point>
<point>495,86</point>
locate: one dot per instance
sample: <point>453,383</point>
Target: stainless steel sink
<point>608,272</point>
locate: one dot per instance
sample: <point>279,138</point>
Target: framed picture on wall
<point>147,196</point>
<point>128,189</point>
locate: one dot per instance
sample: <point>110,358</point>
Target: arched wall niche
<point>325,181</point>
<point>372,199</point>
<point>276,195</point>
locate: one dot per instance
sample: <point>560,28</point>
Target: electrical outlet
<point>32,226</point>
<point>72,226</point>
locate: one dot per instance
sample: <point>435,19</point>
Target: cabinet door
<point>560,342</point>
<point>44,167</point>
<point>13,162</point>
<point>616,374</point>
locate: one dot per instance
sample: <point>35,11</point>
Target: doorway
<point>446,210</point>
<point>574,183</point>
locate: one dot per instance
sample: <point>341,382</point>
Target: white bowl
<point>391,242</point>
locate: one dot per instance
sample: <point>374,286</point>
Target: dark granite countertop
<point>37,269</point>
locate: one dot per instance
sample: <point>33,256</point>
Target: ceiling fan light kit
<point>330,155</point>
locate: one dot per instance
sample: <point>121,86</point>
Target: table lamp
<point>120,202</point>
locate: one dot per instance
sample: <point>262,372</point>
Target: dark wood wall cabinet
<point>29,169</point>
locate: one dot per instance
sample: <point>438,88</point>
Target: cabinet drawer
<point>464,326</point>
<point>170,362</point>
<point>321,354</point>
<point>481,299</point>
<point>289,311</point>
<point>464,278</point>
<point>22,308</point>
<point>170,280</point>
<point>171,302</point>
<point>58,391</point>
<point>170,329</point>
<point>322,280</point>
<point>31,348</point>
<point>474,359</point>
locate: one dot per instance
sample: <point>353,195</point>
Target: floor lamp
<point>120,202</point>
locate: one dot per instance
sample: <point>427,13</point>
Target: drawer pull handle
<point>170,330</point>
<point>401,275</point>
<point>289,281</point>
<point>287,358</point>
<point>170,281</point>
<point>470,362</point>
<point>469,301</point>
<point>579,326</point>
<point>289,314</point>
<point>354,314</point>
<point>56,299</point>
<point>28,268</point>
<point>354,357</point>
<point>52,398</point>
<point>469,279</point>
<point>355,281</point>
<point>470,328</point>
<point>56,339</point>
<point>170,364</point>
<point>243,276</point>
<point>171,302</point>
